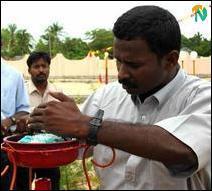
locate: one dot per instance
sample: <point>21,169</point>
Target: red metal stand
<point>43,184</point>
<point>38,155</point>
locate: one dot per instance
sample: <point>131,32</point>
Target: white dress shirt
<point>36,98</point>
<point>182,107</point>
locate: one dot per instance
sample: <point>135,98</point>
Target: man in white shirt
<point>158,118</point>
<point>38,87</point>
<point>14,105</point>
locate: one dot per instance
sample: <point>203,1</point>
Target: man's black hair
<point>157,26</point>
<point>35,56</point>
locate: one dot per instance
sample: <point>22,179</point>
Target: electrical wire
<point>95,163</point>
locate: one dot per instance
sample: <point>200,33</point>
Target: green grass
<point>73,178</point>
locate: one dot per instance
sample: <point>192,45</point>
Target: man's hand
<point>21,124</point>
<point>62,117</point>
<point>5,123</point>
<point>4,130</point>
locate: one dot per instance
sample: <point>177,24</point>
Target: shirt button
<point>108,150</point>
<point>143,117</point>
<point>129,177</point>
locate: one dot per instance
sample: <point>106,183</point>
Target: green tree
<point>12,30</point>
<point>15,42</point>
<point>5,37</point>
<point>23,42</point>
<point>201,45</point>
<point>9,41</point>
<point>205,48</point>
<point>51,38</point>
<point>74,48</point>
<point>185,42</point>
<point>42,46</point>
<point>101,40</point>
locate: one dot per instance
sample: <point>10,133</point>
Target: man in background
<point>38,87</point>
<point>14,105</point>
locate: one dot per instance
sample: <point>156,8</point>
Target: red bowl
<point>40,155</point>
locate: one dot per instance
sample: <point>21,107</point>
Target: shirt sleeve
<point>22,98</point>
<point>193,127</point>
<point>92,103</point>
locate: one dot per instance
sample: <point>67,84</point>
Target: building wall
<point>93,67</point>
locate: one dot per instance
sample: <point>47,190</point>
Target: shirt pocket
<point>137,171</point>
<point>107,155</point>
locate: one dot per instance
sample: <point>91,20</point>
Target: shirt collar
<point>164,93</point>
<point>168,90</point>
<point>32,87</point>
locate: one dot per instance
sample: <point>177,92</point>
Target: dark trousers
<point>22,183</point>
<point>6,179</point>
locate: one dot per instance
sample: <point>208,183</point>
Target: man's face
<point>39,71</point>
<point>139,69</point>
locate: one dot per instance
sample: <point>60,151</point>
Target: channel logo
<point>200,12</point>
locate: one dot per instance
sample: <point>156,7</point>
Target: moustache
<point>127,83</point>
<point>41,75</point>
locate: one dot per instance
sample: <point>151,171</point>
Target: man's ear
<point>171,59</point>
